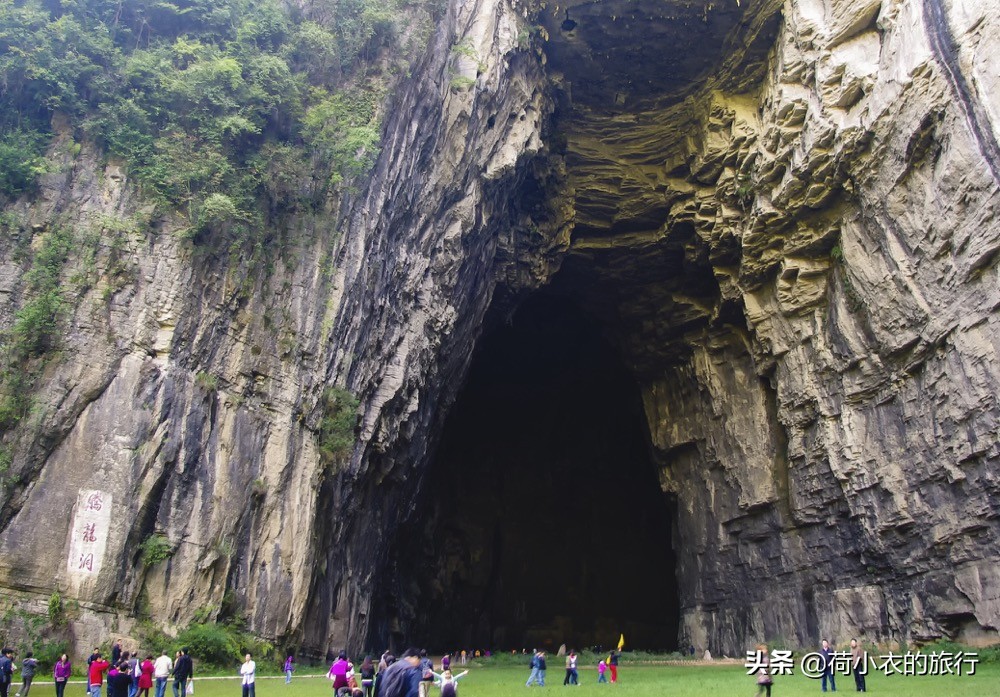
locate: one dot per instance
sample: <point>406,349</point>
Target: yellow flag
<point>621,642</point>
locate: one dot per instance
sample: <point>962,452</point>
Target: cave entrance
<point>546,518</point>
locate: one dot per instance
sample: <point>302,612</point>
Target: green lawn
<point>634,681</point>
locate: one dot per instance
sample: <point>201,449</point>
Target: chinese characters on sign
<point>909,664</point>
<point>89,532</point>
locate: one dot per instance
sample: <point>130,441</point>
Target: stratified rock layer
<point>783,216</point>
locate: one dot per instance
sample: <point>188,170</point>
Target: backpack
<point>5,670</point>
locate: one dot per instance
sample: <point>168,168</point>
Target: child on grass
<point>448,682</point>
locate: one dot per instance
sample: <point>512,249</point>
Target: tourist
<point>465,657</point>
<point>572,676</point>
<point>602,669</point>
<point>764,679</point>
<point>289,668</point>
<point>132,659</point>
<point>28,667</point>
<point>6,670</point>
<point>368,676</point>
<point>338,672</point>
<point>248,673</point>
<point>116,652</point>
<point>827,653</point>
<point>95,674</point>
<point>533,675</point>
<point>541,669</point>
<point>426,673</point>
<point>183,671</point>
<point>90,659</point>
<point>60,673</point>
<point>859,665</point>
<point>448,682</point>
<point>383,662</point>
<point>401,678</point>
<point>135,671</point>
<point>161,671</point>
<point>119,680</point>
<point>613,665</point>
<point>146,670</point>
<point>352,680</point>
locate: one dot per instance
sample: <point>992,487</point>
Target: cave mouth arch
<point>541,504</point>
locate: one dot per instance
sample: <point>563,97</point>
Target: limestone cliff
<point>783,216</point>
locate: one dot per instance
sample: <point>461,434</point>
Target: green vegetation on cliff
<point>34,331</point>
<point>336,429</point>
<point>227,110</point>
<point>227,114</point>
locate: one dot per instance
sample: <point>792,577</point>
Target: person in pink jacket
<point>338,671</point>
<point>61,673</point>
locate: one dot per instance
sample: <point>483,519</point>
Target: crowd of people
<point>411,675</point>
<point>126,673</point>
<point>604,666</point>
<point>129,675</point>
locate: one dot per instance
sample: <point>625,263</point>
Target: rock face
<point>781,216</point>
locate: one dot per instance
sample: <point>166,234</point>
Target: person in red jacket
<point>146,679</point>
<point>98,667</point>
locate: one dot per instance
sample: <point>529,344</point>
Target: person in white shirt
<point>448,682</point>
<point>249,672</point>
<point>161,671</point>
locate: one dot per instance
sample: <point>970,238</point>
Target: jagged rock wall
<point>446,227</point>
<point>881,378</point>
<point>178,393</point>
<point>187,389</point>
<point>833,449</point>
<point>787,258</point>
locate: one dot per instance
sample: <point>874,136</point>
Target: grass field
<point>634,681</point>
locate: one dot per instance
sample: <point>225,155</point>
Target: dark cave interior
<point>542,519</point>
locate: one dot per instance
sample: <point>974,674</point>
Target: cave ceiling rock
<point>843,255</point>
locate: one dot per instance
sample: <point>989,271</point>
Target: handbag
<point>190,687</point>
